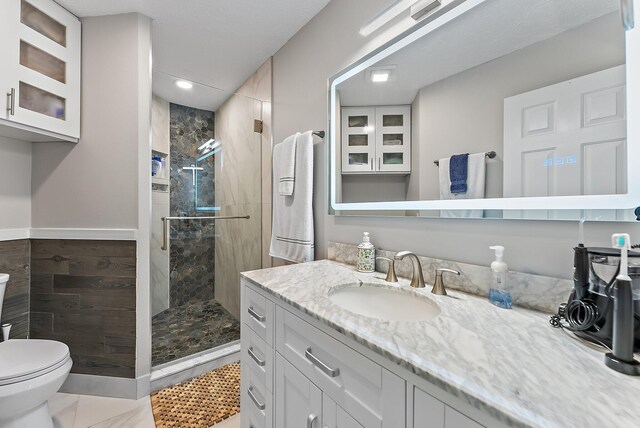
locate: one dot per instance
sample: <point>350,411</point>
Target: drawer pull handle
<point>258,404</point>
<point>254,314</point>
<point>311,419</point>
<point>255,358</point>
<point>322,366</point>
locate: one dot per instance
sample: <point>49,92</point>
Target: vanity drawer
<point>372,395</point>
<point>258,314</point>
<point>257,356</point>
<point>256,400</point>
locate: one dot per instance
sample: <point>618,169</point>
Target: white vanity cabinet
<point>40,73</point>
<point>376,140</point>
<point>429,412</point>
<point>297,372</point>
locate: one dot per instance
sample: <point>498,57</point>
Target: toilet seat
<point>24,359</point>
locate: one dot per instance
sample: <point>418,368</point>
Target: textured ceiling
<point>218,43</point>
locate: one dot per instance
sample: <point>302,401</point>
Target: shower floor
<point>185,330</point>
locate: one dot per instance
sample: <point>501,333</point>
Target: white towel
<point>292,232</point>
<point>476,177</point>
<point>285,153</point>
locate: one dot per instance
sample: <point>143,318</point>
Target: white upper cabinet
<point>40,71</point>
<point>376,140</point>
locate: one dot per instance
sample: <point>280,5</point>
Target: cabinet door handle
<point>311,419</point>
<point>258,404</point>
<point>371,164</point>
<point>322,366</point>
<point>379,167</point>
<point>255,358</point>
<point>257,316</point>
<point>11,102</point>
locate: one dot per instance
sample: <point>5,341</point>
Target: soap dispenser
<point>499,293</point>
<point>366,255</point>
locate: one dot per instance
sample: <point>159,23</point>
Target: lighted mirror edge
<point>622,201</point>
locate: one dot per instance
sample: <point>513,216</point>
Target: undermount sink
<point>384,303</point>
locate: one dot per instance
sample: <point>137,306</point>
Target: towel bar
<point>490,155</point>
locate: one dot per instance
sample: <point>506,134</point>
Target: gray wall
<point>15,184</point>
<point>94,184</point>
<point>300,102</point>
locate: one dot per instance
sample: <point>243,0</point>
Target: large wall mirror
<point>494,109</point>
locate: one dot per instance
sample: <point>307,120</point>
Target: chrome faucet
<point>417,281</point>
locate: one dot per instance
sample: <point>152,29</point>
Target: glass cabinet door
<point>43,73</point>
<point>358,139</point>
<point>393,139</point>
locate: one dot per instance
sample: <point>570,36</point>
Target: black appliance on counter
<point>589,310</point>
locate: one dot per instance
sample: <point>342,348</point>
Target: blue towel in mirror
<point>458,165</point>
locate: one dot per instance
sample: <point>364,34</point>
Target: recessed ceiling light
<point>380,76</point>
<point>183,84</point>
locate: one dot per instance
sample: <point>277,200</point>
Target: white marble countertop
<point>509,363</point>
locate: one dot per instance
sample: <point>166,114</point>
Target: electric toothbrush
<point>621,358</point>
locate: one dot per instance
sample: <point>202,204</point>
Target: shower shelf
<point>160,181</point>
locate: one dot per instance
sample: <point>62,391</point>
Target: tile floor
<point>86,411</point>
<point>186,330</point>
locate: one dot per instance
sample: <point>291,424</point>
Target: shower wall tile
<point>238,249</point>
<point>14,260</point>
<point>83,293</point>
<point>241,185</point>
<point>191,255</point>
<point>189,128</point>
<point>239,179</point>
<point>159,257</point>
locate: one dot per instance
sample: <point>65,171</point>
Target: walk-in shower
<point>207,210</point>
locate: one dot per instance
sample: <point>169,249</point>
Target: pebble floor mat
<point>199,402</point>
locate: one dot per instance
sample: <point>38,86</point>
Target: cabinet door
<point>43,66</point>
<point>298,401</point>
<point>393,139</point>
<point>455,419</point>
<point>428,412</point>
<point>358,139</point>
<point>334,416</point>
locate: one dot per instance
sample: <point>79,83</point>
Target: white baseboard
<point>14,234</point>
<point>187,368</point>
<point>107,386</point>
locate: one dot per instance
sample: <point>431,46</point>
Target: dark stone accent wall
<point>15,260</point>
<point>83,293</point>
<point>192,254</point>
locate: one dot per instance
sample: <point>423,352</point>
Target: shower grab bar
<point>165,224</point>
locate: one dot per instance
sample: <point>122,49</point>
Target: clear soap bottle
<point>499,293</point>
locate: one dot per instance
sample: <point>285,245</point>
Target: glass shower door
<point>213,223</point>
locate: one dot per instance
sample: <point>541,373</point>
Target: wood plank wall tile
<point>14,260</point>
<point>84,294</point>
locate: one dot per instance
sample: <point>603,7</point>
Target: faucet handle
<point>438,286</point>
<point>391,272</point>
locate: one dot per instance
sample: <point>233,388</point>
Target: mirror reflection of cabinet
<point>376,140</point>
<point>41,77</point>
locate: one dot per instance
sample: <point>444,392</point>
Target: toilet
<point>31,371</point>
